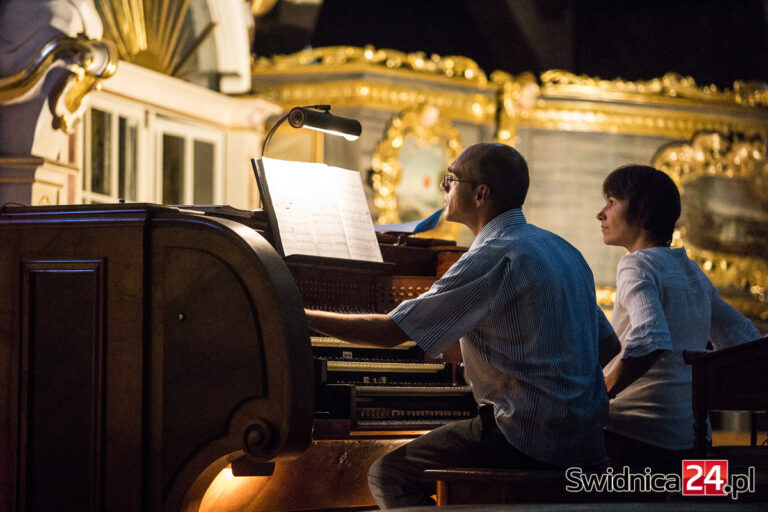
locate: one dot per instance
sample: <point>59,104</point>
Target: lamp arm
<point>323,108</point>
<point>272,131</point>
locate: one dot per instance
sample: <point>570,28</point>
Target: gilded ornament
<point>426,127</point>
<point>659,107</point>
<point>88,62</point>
<point>261,7</point>
<point>723,181</point>
<point>475,108</point>
<point>671,85</point>
<point>151,33</point>
<point>452,66</point>
<point>518,101</point>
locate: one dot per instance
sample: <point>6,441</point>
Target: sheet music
<point>321,210</point>
<point>325,216</point>
<point>294,220</point>
<point>358,225</point>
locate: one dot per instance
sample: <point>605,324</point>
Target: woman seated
<point>664,305</point>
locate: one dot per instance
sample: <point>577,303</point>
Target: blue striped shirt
<point>522,303</point>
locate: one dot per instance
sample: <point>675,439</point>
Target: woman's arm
<point>628,370</point>
<point>648,336</point>
<point>729,327</point>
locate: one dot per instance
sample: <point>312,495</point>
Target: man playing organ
<point>521,302</point>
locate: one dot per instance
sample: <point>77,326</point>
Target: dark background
<point>714,41</point>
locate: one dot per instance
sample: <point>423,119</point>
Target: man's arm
<point>628,370</point>
<point>367,329</point>
<point>608,347</point>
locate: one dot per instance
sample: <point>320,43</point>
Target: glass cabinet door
<point>190,163</point>
<point>112,141</point>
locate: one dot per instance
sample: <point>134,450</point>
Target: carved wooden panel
<point>61,384</point>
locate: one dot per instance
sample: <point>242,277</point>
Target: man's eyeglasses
<point>446,184</point>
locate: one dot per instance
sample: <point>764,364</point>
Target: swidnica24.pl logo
<point>697,478</point>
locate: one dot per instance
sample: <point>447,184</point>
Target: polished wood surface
<point>143,348</point>
<point>731,379</point>
<point>330,475</point>
<point>146,351</point>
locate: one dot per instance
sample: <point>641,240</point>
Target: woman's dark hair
<point>654,201</point>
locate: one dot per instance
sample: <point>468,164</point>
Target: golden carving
<point>592,116</point>
<point>261,7</point>
<point>557,82</point>
<point>714,154</point>
<point>568,102</point>
<point>151,33</point>
<point>89,62</point>
<point>739,208</point>
<point>561,101</point>
<point>738,273</point>
<point>429,127</point>
<point>518,100</point>
<point>476,108</point>
<point>452,66</point>
<point>671,85</point>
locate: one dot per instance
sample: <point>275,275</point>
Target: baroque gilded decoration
<point>564,101</point>
<point>724,224</point>
<point>671,85</point>
<point>452,67</point>
<point>559,100</point>
<point>455,85</point>
<point>152,33</point>
<point>88,62</point>
<point>429,138</point>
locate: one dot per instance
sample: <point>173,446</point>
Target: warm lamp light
<point>317,117</point>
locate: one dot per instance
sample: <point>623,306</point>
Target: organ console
<point>146,348</point>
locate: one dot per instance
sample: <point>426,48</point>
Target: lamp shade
<point>300,117</point>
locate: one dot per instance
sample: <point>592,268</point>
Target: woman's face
<point>613,222</point>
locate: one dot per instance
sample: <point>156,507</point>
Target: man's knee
<point>394,482</point>
<point>376,472</point>
<point>386,468</point>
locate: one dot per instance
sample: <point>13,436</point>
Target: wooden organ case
<point>146,348</point>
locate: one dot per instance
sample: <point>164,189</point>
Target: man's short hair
<point>654,201</point>
<point>504,170</point>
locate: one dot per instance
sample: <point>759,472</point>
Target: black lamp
<point>317,117</point>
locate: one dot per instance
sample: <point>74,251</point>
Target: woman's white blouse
<point>665,302</point>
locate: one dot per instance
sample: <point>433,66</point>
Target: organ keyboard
<point>415,392</point>
<point>423,393</point>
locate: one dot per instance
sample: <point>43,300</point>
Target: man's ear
<point>482,193</point>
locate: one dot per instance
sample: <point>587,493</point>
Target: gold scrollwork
<point>452,66</point>
<point>729,157</point>
<point>261,7</point>
<point>518,100</point>
<point>565,101</point>
<point>89,62</point>
<point>715,154</point>
<point>740,273</point>
<point>559,100</point>
<point>475,108</point>
<point>429,127</point>
<point>635,118</point>
<point>671,85</point>
<point>153,34</point>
